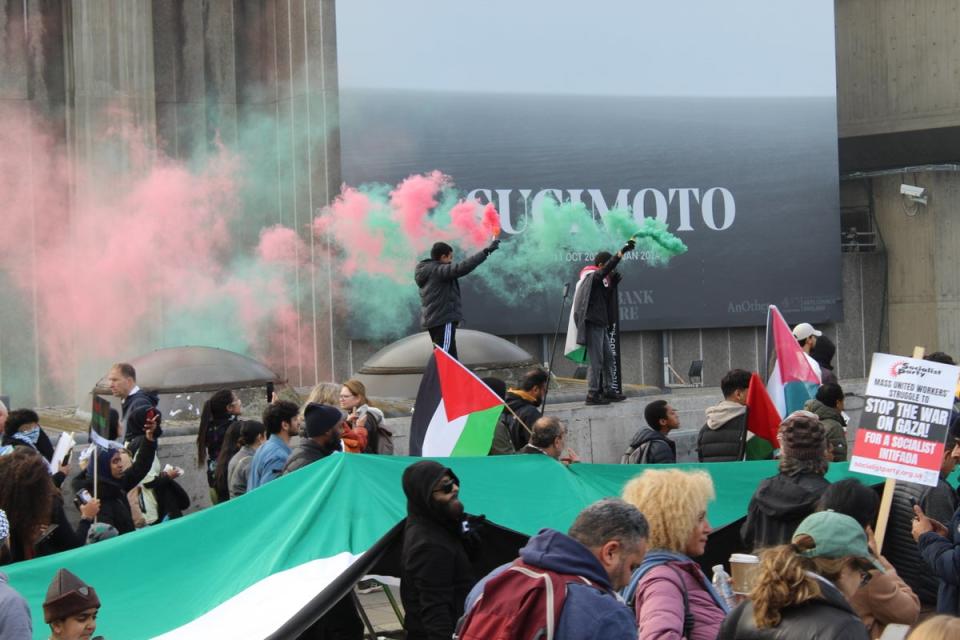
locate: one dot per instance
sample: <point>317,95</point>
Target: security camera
<point>912,191</point>
<point>914,194</point>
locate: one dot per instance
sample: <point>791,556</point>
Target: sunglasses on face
<point>446,487</point>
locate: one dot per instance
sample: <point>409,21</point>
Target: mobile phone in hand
<point>84,496</point>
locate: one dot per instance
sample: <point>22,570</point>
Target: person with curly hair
<point>15,622</point>
<point>670,595</point>
<point>941,627</point>
<point>883,597</point>
<point>26,495</point>
<point>801,589</point>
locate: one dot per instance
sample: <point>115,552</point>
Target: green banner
<point>160,578</point>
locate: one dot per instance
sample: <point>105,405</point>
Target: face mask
<point>31,436</point>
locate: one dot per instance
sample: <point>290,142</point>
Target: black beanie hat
<point>320,418</point>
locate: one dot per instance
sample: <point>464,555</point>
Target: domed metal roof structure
<point>395,370</point>
<point>188,369</point>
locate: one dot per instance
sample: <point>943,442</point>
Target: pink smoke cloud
<point>464,220</point>
<point>349,222</point>
<point>281,245</point>
<point>412,200</point>
<point>108,256</point>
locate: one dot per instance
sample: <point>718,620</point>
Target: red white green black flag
<point>455,413</point>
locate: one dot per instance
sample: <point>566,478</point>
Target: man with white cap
<point>15,621</point>
<point>807,336</point>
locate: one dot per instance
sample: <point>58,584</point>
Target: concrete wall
<point>922,243</point>
<point>898,65</point>
<point>600,434</point>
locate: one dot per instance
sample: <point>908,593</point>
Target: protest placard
<point>100,419</point>
<point>906,419</point>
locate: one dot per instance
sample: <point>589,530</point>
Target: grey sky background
<point>593,47</point>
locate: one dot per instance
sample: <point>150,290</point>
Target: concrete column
<point>287,94</point>
<point>31,91</point>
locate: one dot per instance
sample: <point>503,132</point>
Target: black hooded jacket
<point>112,492</point>
<point>436,574</point>
<point>660,448</point>
<point>778,506</point>
<point>528,411</point>
<point>135,407</point>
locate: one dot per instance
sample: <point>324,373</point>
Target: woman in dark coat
<point>113,482</point>
<point>219,412</point>
<point>801,588</point>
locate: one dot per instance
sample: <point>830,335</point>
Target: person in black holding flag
<point>592,308</point>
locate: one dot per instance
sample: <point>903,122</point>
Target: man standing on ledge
<point>591,314</point>
<point>440,309</point>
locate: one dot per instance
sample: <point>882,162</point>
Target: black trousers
<point>445,337</point>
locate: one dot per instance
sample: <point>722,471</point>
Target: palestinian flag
<point>270,563</point>
<point>763,421</point>
<point>571,350</point>
<point>791,381</point>
<point>455,413</point>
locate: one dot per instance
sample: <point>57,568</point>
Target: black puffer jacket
<point>900,549</point>
<point>660,449</point>
<point>436,574</point>
<point>440,291</point>
<point>778,507</point>
<point>826,618</point>
<point>724,443</point>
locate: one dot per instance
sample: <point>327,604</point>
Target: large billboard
<point>716,118</point>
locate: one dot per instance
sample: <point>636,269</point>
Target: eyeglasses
<point>446,488</point>
<point>343,397</point>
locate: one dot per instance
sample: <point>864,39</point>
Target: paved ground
<point>381,614</point>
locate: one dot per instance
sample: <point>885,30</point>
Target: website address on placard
<point>889,470</point>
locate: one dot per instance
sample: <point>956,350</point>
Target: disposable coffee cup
<point>743,570</point>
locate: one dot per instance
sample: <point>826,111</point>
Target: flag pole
<point>519,419</point>
<point>883,516</point>
<point>553,349</point>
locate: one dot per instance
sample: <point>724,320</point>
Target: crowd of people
<point>627,567</point>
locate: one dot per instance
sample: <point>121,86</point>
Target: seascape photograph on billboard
<point>718,119</point>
